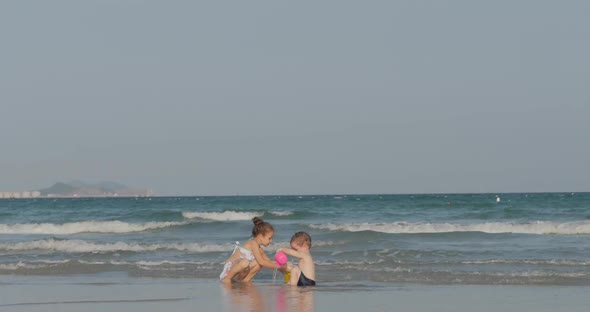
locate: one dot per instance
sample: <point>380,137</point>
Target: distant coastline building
<point>63,190</point>
<point>25,194</point>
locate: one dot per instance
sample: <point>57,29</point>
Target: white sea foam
<point>167,262</point>
<point>526,274</point>
<point>277,245</point>
<point>31,265</point>
<point>328,243</point>
<point>223,216</point>
<point>281,213</point>
<point>84,227</point>
<point>81,246</point>
<point>91,262</point>
<point>534,227</point>
<point>43,264</point>
<point>529,262</point>
<point>361,263</point>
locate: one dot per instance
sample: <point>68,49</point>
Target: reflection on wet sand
<point>294,299</point>
<point>244,297</point>
<point>260,297</point>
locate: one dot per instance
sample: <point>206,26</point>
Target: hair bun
<point>257,221</point>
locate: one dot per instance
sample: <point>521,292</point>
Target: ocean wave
<point>73,264</point>
<point>340,271</point>
<point>168,269</point>
<point>31,265</point>
<point>418,272</point>
<point>81,246</point>
<point>535,227</point>
<point>274,246</point>
<point>84,227</point>
<point>222,216</point>
<point>552,262</point>
<point>401,274</point>
<point>349,262</point>
<point>457,263</point>
<point>281,213</point>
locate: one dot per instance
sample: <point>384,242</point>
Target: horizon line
<point>308,195</point>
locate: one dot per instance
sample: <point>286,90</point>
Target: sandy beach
<point>121,293</point>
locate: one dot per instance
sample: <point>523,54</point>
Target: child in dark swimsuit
<point>304,273</point>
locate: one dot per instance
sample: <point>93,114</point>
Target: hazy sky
<point>296,97</point>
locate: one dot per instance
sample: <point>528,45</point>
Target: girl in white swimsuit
<point>247,260</point>
<point>245,253</point>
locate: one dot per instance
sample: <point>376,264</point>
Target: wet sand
<point>121,293</point>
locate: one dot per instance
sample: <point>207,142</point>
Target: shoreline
<point>141,294</point>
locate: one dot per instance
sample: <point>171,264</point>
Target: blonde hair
<point>301,238</point>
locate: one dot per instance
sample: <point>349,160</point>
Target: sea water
<point>534,238</point>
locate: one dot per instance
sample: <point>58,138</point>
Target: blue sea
<point>515,239</point>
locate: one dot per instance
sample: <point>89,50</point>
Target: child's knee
<point>295,273</point>
<point>255,267</point>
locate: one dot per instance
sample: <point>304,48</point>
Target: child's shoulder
<point>250,244</point>
<point>307,255</point>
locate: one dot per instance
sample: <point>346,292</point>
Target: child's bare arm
<point>292,252</point>
<point>263,259</point>
<point>265,256</point>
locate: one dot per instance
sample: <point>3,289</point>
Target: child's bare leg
<point>242,274</point>
<point>236,267</point>
<point>295,273</point>
<point>254,269</point>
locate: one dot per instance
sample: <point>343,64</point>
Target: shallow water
<point>525,239</point>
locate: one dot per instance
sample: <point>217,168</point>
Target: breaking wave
<point>535,227</point>
<point>84,227</point>
<point>281,213</point>
<point>223,216</point>
<point>81,246</point>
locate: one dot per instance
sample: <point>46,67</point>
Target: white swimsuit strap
<point>235,248</point>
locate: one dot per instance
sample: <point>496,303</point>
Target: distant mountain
<point>83,189</point>
<point>58,188</point>
<point>107,186</point>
